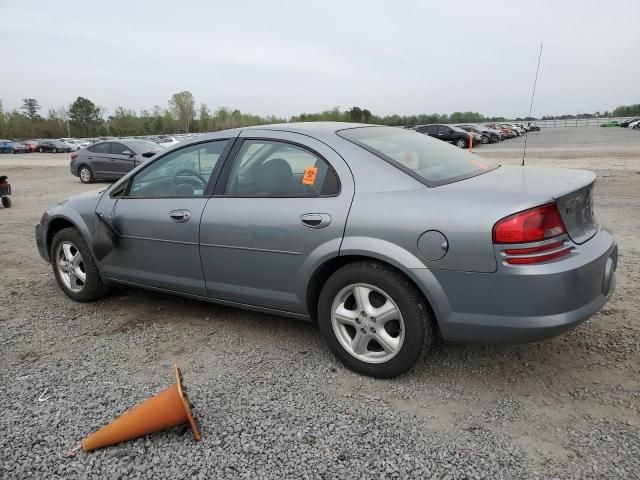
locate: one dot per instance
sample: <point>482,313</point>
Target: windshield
<point>431,161</point>
<point>144,146</point>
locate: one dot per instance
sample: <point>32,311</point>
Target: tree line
<point>83,118</point>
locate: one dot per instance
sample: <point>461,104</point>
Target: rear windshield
<point>429,160</point>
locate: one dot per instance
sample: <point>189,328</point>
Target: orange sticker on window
<point>309,177</point>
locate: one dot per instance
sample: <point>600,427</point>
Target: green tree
<point>84,115</point>
<point>31,107</point>
<point>3,121</point>
<point>205,120</point>
<point>355,114</point>
<point>183,108</point>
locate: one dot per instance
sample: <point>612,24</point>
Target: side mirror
<point>128,152</point>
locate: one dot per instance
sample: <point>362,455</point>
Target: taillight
<point>73,155</point>
<point>533,225</point>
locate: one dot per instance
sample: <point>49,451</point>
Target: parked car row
<point>42,145</point>
<point>633,123</point>
<point>462,135</point>
<point>68,144</point>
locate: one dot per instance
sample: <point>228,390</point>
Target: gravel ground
<point>272,401</point>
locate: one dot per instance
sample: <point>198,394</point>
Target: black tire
<point>6,202</point>
<point>461,143</point>
<point>418,320</point>
<point>41,150</point>
<point>87,179</point>
<point>94,287</point>
<point>55,150</point>
<point>485,139</point>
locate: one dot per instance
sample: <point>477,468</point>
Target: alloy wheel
<point>367,323</point>
<point>85,175</point>
<point>71,268</point>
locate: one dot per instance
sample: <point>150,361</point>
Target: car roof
<point>319,130</point>
<point>311,127</point>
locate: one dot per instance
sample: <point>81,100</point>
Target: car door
<point>279,209</point>
<point>99,159</point>
<point>445,133</point>
<point>430,130</point>
<point>123,159</point>
<point>157,219</point>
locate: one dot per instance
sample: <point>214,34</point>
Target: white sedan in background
<point>167,142</point>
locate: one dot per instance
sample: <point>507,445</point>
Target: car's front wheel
<point>374,320</point>
<point>74,268</point>
<point>85,174</point>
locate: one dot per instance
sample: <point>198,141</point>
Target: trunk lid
<point>515,188</point>
<point>576,210</point>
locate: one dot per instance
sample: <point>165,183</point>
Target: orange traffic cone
<point>167,409</point>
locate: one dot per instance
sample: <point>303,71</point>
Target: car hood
<point>82,203</point>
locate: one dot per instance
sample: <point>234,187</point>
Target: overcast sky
<point>286,57</point>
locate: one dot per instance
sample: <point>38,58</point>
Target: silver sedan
<point>385,237</point>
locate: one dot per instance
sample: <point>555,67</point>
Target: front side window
<point>428,160</point>
<point>118,148</point>
<point>182,173</point>
<point>269,168</point>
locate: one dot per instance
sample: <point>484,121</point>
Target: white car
<point>519,130</point>
<point>167,142</point>
<point>635,125</point>
<point>71,143</point>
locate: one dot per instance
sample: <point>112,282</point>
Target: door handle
<point>180,216</point>
<point>315,220</point>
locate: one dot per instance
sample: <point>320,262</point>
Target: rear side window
<point>269,168</point>
<point>100,148</point>
<point>427,159</point>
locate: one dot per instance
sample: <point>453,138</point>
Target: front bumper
<point>41,242</point>
<point>526,303</point>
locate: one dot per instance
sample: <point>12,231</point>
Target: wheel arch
<point>330,266</point>
<point>61,222</point>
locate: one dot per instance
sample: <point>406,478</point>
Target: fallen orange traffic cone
<point>167,409</point>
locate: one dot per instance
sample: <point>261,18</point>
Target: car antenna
<point>533,93</point>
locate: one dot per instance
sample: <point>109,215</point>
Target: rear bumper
<point>527,303</point>
<point>41,241</point>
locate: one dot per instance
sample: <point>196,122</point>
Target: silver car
<point>111,160</point>
<point>384,236</point>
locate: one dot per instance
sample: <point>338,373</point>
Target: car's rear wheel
<point>374,320</point>
<point>85,174</point>
<point>485,139</point>
<point>41,150</point>
<point>54,150</point>
<point>74,267</point>
<point>6,202</point>
<point>461,143</point>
